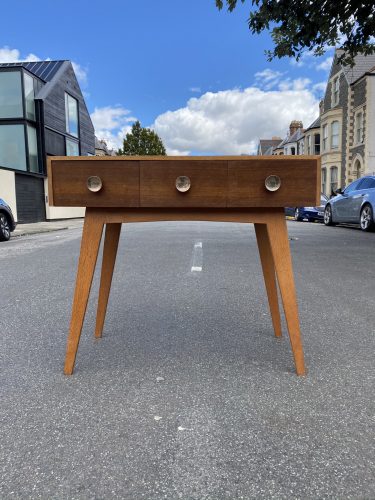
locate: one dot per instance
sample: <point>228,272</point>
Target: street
<point>188,394</point>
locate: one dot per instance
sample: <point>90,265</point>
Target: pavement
<point>188,394</point>
<point>46,227</point>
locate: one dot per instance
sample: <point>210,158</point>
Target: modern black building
<point>42,112</point>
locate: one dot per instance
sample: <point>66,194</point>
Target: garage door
<point>30,199</point>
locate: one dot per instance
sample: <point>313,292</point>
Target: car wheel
<point>4,228</point>
<point>297,215</point>
<point>328,216</point>
<point>367,219</point>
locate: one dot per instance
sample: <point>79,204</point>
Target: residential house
<point>266,146</point>
<point>348,123</point>
<point>42,112</point>
<point>101,148</point>
<point>312,138</point>
<point>291,145</point>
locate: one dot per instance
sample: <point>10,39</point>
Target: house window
<point>359,127</point>
<point>10,95</point>
<point>28,82</point>
<point>335,135</point>
<point>71,115</point>
<point>308,143</point>
<point>33,149</point>
<point>325,137</point>
<point>72,148</point>
<point>335,91</point>
<point>12,147</point>
<point>334,179</point>
<point>316,144</point>
<point>324,180</point>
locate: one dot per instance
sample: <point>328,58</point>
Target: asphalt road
<point>188,395</point>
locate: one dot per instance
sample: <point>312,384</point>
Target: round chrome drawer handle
<point>94,183</point>
<point>272,182</point>
<point>183,183</point>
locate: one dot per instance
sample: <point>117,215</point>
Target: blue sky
<point>192,72</point>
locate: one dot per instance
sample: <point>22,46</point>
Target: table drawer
<point>208,183</point>
<point>120,183</point>
<point>300,182</point>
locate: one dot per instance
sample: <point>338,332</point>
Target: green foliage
<point>298,26</point>
<point>142,142</point>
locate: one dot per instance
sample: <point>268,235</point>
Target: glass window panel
<point>72,148</point>
<point>335,135</point>
<point>33,149</point>
<point>29,96</point>
<point>334,178</point>
<point>12,147</point>
<point>71,113</point>
<point>10,94</point>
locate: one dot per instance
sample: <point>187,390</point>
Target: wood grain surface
<point>208,183</point>
<point>120,183</point>
<point>215,181</point>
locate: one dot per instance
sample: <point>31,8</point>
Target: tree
<point>298,26</point>
<point>142,142</point>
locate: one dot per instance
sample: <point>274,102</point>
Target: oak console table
<point>247,189</point>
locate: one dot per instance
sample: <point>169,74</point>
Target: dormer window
<point>335,91</point>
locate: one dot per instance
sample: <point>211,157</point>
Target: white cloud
<point>81,73</point>
<point>326,64</point>
<point>195,89</point>
<point>111,124</point>
<point>8,55</point>
<point>268,78</point>
<point>232,121</point>
<point>320,87</point>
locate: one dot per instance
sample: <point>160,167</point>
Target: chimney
<point>294,126</point>
<point>321,107</point>
<point>276,138</point>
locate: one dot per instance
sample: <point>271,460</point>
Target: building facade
<point>42,113</point>
<point>348,123</point>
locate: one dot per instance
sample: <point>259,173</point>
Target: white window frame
<point>331,182</point>
<point>324,180</point>
<point>359,127</point>
<point>325,137</point>
<point>308,144</point>
<point>335,135</point>
<point>335,90</point>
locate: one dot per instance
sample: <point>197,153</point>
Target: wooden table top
<point>212,181</point>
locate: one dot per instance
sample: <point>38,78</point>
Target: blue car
<point>308,213</point>
<point>354,205</point>
<point>7,222</point>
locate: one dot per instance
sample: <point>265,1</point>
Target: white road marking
<point>197,259</point>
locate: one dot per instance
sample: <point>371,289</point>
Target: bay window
<point>10,94</point>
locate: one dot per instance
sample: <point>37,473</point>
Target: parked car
<point>309,213</point>
<point>354,205</point>
<point>7,222</point>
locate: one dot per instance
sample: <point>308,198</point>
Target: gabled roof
<point>298,134</point>
<point>45,70</point>
<point>362,64</point>
<point>265,144</point>
<point>315,124</point>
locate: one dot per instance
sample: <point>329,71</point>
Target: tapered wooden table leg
<point>91,236</point>
<point>278,235</point>
<point>268,267</point>
<point>112,235</point>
